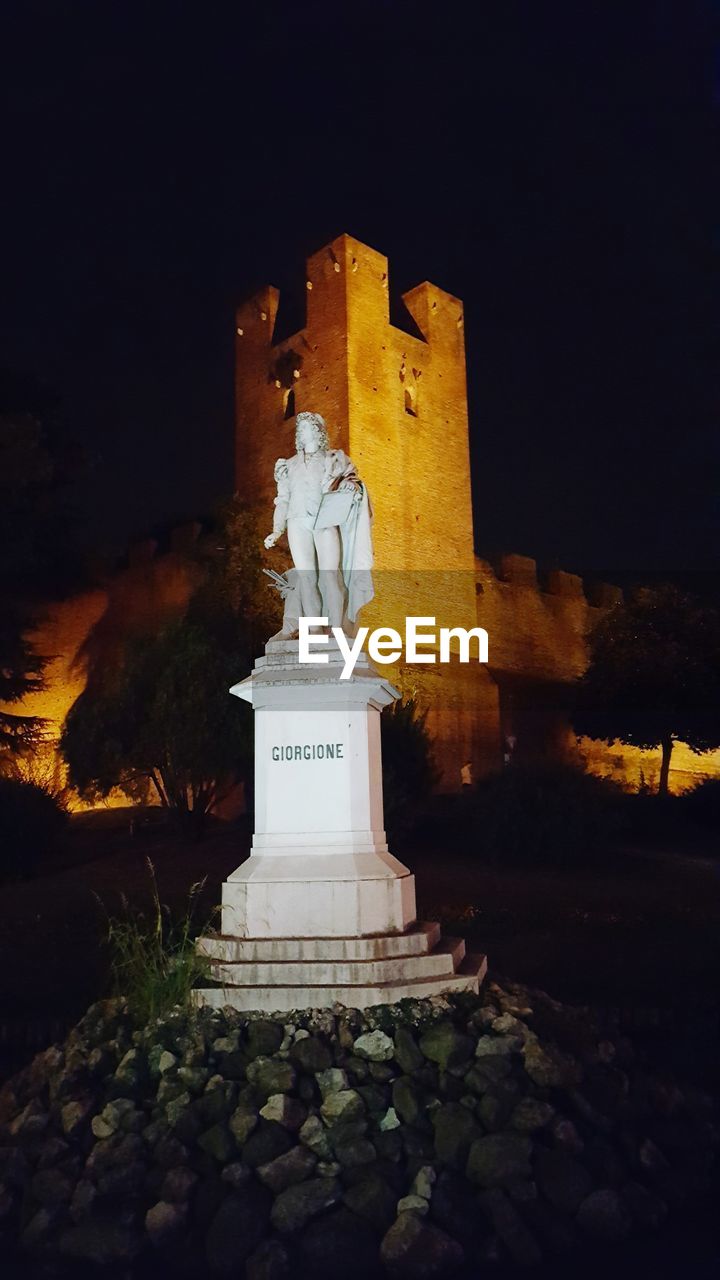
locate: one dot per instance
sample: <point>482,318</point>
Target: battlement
<point>342,278</point>
<point>538,630</point>
<point>521,571</point>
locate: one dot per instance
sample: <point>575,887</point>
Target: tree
<point>654,676</point>
<point>164,715</point>
<point>37,466</point>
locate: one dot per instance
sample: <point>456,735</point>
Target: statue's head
<point>311,434</point>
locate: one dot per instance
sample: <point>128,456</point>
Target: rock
<point>102,1241</point>
<point>311,1055</point>
<point>407,1099</point>
<point>455,1130</point>
<point>603,1215</point>
<point>566,1137</point>
<point>218,1142</point>
<point>294,1166</point>
<point>176,1110</point>
<point>271,1075</point>
<point>83,1199</point>
<point>270,1261</point>
<point>166,1061</point>
<point>506,1024</point>
<point>178,1185</point>
<point>129,1075</point>
<point>119,1114</point>
<point>35,1233</point>
<point>418,1250</point>
<point>375,1097</point>
<point>423,1182</point>
<point>531,1114</point>
<point>561,1179</point>
<point>499,1159</point>
<point>372,1199</point>
<point>454,1207</point>
<point>170,1088</point>
<point>14,1167</point>
<point>331,1081</point>
<point>644,1207</point>
<point>236,1175</point>
<point>164,1222</point>
<point>354,1151</point>
<point>652,1159</point>
<point>344,1105</point>
<point>328,1168</point>
<point>287,1111</point>
<point>517,1238</point>
<point>375,1046</point>
<point>382,1072</point>
<point>605,1163</point>
<point>556,1231</point>
<point>75,1115</point>
<point>268,1142</point>
<point>314,1135</point>
<point>193,1078</point>
<point>417,1145</point>
<point>52,1187</point>
<point>295,1206</point>
<point>357,1069</point>
<point>446,1046</point>
<point>407,1054</point>
<point>548,1068</point>
<point>338,1244</point>
<point>52,1152</point>
<point>237,1228</point>
<point>496,1107</point>
<point>170,1151</point>
<point>486,1074</point>
<point>389,1145</point>
<point>413,1204</point>
<point>390,1120</point>
<point>242,1123</point>
<point>264,1039</point>
<point>30,1123</point>
<point>497,1046</point>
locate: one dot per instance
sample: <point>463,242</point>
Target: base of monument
<point>280,974</point>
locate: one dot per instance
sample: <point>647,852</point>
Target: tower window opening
<point>289,403</point>
<point>411,402</point>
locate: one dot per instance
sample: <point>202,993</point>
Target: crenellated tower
<point>394,401</point>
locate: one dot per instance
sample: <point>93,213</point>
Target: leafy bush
<point>409,772</point>
<point>32,825</point>
<point>153,960</point>
<point>551,815</point>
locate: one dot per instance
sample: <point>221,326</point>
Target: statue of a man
<point>326,510</point>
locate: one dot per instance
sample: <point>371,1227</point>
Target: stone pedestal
<point>321,912</point>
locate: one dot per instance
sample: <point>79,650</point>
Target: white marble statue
<point>326,510</point>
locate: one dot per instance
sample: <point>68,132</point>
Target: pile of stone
<point>424,1139</point>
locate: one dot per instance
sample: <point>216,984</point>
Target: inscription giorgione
<point>310,751</point>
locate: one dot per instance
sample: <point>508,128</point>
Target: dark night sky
<point>549,164</point>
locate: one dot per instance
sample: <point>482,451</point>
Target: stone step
<point>282,999</point>
<point>442,961</point>
<point>419,940</point>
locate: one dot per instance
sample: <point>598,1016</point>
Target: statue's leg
<point>327,545</point>
<point>302,550</point>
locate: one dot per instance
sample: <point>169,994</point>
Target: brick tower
<point>397,404</point>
